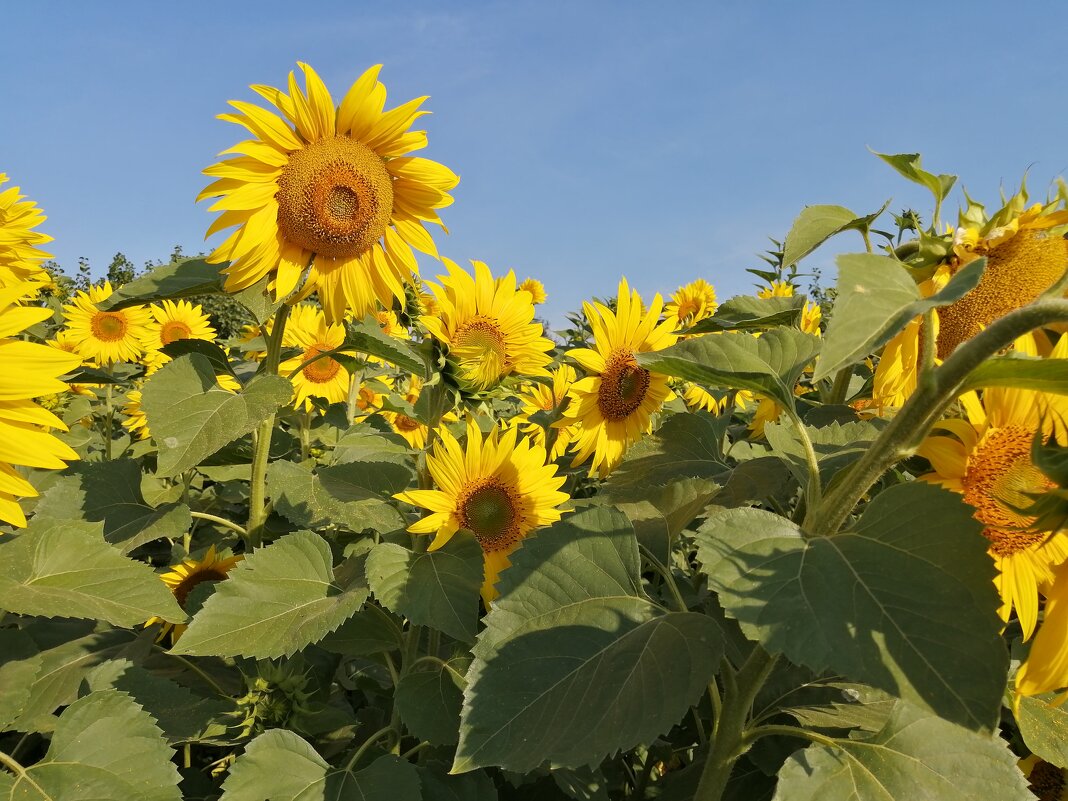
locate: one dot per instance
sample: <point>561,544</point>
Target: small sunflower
<point>987,458</point>
<point>777,289</point>
<point>536,289</point>
<point>371,395</point>
<point>27,370</point>
<point>258,334</point>
<point>613,406</point>
<point>20,258</point>
<point>331,185</point>
<point>488,326</point>
<point>414,432</point>
<point>170,321</point>
<point>693,302</point>
<point>64,341</point>
<point>324,378</point>
<point>136,422</point>
<point>186,575</point>
<point>106,336</point>
<point>535,398</point>
<point>697,397</point>
<point>497,487</point>
<point>1047,781</point>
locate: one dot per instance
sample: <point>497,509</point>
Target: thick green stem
<point>728,739</point>
<point>813,488</point>
<point>840,388</point>
<point>359,752</point>
<point>911,424</point>
<point>257,510</point>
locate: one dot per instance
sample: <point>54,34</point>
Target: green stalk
<point>926,405</point>
<point>257,512</point>
<point>109,413</point>
<point>21,772</point>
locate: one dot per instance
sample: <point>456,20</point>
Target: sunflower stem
<point>222,521</point>
<point>108,413</point>
<point>257,512</point>
<point>359,752</point>
<point>840,387</point>
<point>813,489</point>
<point>665,574</point>
<point>912,422</point>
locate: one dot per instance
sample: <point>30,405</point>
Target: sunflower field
<point>399,540</point>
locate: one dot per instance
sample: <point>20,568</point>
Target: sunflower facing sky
<point>20,258</point>
<point>170,321</point>
<point>331,185</point>
<point>613,406</point>
<point>488,326</point>
<point>27,370</point>
<point>324,378</point>
<point>183,577</point>
<point>106,336</point>
<point>497,487</point>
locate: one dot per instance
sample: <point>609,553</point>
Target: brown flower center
<point>488,510</point>
<point>335,198</point>
<point>404,423</point>
<point>321,370</point>
<point>623,386</point>
<point>173,330</point>
<point>999,475</point>
<point>108,326</point>
<point>186,585</point>
<point>1046,781</point>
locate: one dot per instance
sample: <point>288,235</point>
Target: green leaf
<point>877,297</point>
<point>281,766</point>
<point>836,445</point>
<point>352,496</point>
<point>65,569</point>
<point>362,444</point>
<point>1021,372</point>
<point>105,746</point>
<point>908,165</point>
<point>429,699</point>
<point>915,757</point>
<point>688,445</point>
<point>438,786</point>
<point>903,601</point>
<point>111,492</point>
<point>575,661</point>
<point>745,312</point>
<point>815,225</point>
<point>209,350</point>
<point>769,365</point>
<point>439,588</point>
<point>191,417</point>
<point>20,663</point>
<point>1044,728</point>
<point>275,602</point>
<point>367,337</point>
<point>258,299</point>
<point>180,279</point>
<point>369,631</point>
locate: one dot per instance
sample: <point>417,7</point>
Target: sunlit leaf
<point>180,279</point>
<point>748,312</point>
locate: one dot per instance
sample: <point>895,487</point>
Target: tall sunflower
<point>613,406</point>
<point>170,321</point>
<point>106,336</point>
<point>20,258</point>
<point>497,487</point>
<point>986,457</point>
<point>183,577</point>
<point>27,370</point>
<point>488,326</point>
<point>333,184</point>
<point>324,378</point>
<point>692,302</point>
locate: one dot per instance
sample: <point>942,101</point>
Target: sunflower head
<point>322,376</point>
<point>106,336</point>
<point>20,256</point>
<point>170,321</point>
<point>777,289</point>
<point>536,289</point>
<point>693,302</point>
<point>183,577</point>
<point>136,422</point>
<point>535,398</point>
<point>328,186</point>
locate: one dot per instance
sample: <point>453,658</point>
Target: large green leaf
<point>439,589</point>
<point>191,417</point>
<point>903,601</point>
<point>367,337</point>
<point>770,364</point>
<point>180,279</point>
<point>877,297</point>
<point>105,746</point>
<point>575,661</point>
<point>363,444</point>
<point>816,224</point>
<point>65,569</point>
<point>275,602</point>
<point>1043,375</point>
<point>429,700</point>
<point>20,663</point>
<point>259,301</point>
<point>281,766</point>
<point>439,786</point>
<point>908,165</point>
<point>686,446</point>
<point>1044,728</point>
<point>915,757</point>
<point>745,312</point>
<point>352,496</point>
<point>370,631</point>
<point>836,445</point>
<point>111,492</point>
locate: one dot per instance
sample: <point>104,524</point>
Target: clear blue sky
<point>664,141</point>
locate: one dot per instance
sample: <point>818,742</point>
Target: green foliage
<point>746,312</point>
<point>1044,727</point>
<point>182,279</point>
<point>816,224</point>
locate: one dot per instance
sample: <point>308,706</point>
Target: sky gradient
<point>661,141</point>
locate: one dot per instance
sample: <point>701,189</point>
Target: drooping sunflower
<point>27,370</point>
<point>613,406</point>
<point>488,326</point>
<point>1044,779</point>
<point>498,487</point>
<point>986,457</point>
<point>325,378</point>
<point>170,321</point>
<point>183,577</point>
<point>536,289</point>
<point>692,302</point>
<point>106,336</point>
<point>536,397</point>
<point>20,258</point>
<point>333,184</point>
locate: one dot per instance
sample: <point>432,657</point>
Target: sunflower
<point>499,488</point>
<point>697,397</point>
<point>536,289</point>
<point>777,289</point>
<point>1044,779</point>
<point>330,186</point>
<point>488,326</point>
<point>613,406</point>
<point>324,378</point>
<point>27,370</point>
<point>535,398</point>
<point>253,336</point>
<point>370,396</point>
<point>136,422</point>
<point>171,321</point>
<point>987,458</point>
<point>414,432</point>
<point>20,258</point>
<point>63,340</point>
<point>186,575</point>
<point>1046,667</point>
<point>693,302</point>
<point>106,336</point>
